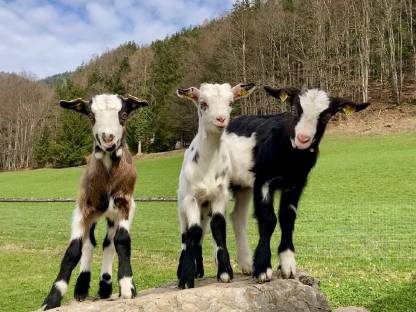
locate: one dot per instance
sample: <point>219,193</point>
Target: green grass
<point>356,228</point>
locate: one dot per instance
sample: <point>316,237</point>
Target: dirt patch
<point>378,119</point>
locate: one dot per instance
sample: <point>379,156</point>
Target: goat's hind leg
<point>239,219</point>
<point>218,228</point>
<point>109,251</point>
<point>69,261</point>
<point>82,285</point>
<point>122,243</point>
<point>205,218</point>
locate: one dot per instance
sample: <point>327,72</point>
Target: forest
<point>347,47</point>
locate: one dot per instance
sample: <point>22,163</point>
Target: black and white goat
<point>277,152</point>
<point>204,181</point>
<point>107,187</point>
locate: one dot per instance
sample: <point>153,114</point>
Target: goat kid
<point>107,187</point>
<point>277,152</point>
<point>204,180</point>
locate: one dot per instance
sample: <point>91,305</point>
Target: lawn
<point>356,228</point>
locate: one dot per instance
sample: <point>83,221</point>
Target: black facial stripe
<point>123,113</point>
<point>98,139</point>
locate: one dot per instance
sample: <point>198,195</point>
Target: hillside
<point>364,50</point>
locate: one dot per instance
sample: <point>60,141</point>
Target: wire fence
<point>72,200</point>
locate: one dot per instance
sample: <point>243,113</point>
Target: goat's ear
<point>78,105</point>
<point>243,90</point>
<point>134,103</point>
<point>283,94</point>
<point>345,105</point>
<point>191,94</point>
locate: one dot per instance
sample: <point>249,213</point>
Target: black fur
<point>196,157</point>
<point>188,257</point>
<point>70,260</point>
<point>122,242</point>
<point>275,162</point>
<point>53,300</point>
<point>105,287</point>
<point>199,272</point>
<point>92,236</point>
<point>82,286</point>
<point>218,225</point>
<point>280,165</point>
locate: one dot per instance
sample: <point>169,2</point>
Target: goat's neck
<point>209,143</point>
<point>108,158</point>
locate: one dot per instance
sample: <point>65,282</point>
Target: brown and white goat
<point>106,190</point>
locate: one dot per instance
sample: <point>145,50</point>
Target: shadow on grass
<point>399,299</point>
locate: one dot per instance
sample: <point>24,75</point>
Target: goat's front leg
<point>109,251</point>
<point>266,218</point>
<point>191,238</point>
<point>287,216</point>
<point>83,281</point>
<point>122,243</point>
<point>70,260</point>
<point>218,229</point>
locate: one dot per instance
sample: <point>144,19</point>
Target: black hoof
<point>82,286</point>
<point>105,287</point>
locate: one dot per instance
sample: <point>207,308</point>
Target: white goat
<point>204,180</point>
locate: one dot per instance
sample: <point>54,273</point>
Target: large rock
<point>243,294</point>
<point>351,309</point>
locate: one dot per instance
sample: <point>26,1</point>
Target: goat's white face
<point>107,129</point>
<point>214,106</point>
<point>214,103</point>
<point>313,103</point>
<point>311,112</point>
<point>108,114</point>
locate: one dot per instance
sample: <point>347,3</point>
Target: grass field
<point>356,229</point>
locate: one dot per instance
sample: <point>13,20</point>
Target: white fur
<point>86,257</point>
<point>293,208</point>
<point>108,254</point>
<point>241,156</point>
<point>99,155</point>
<point>239,219</point>
<point>207,179</point>
<point>287,263</point>
<point>218,97</point>
<point>111,213</point>
<point>62,286</point>
<point>106,108</point>
<point>313,103</point>
<point>125,224</point>
<point>126,285</point>
<point>107,161</point>
<point>265,191</point>
<point>225,277</point>
<point>265,276</point>
<point>77,228</point>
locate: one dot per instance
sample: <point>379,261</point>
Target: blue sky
<point>48,37</point>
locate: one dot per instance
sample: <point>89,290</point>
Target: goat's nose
<point>107,138</point>
<point>303,138</point>
<point>221,119</point>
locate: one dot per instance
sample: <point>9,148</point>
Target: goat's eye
<point>91,116</point>
<point>204,105</point>
<point>124,116</point>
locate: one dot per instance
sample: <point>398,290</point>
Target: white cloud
<point>48,37</point>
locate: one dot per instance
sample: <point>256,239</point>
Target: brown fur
<point>99,184</point>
